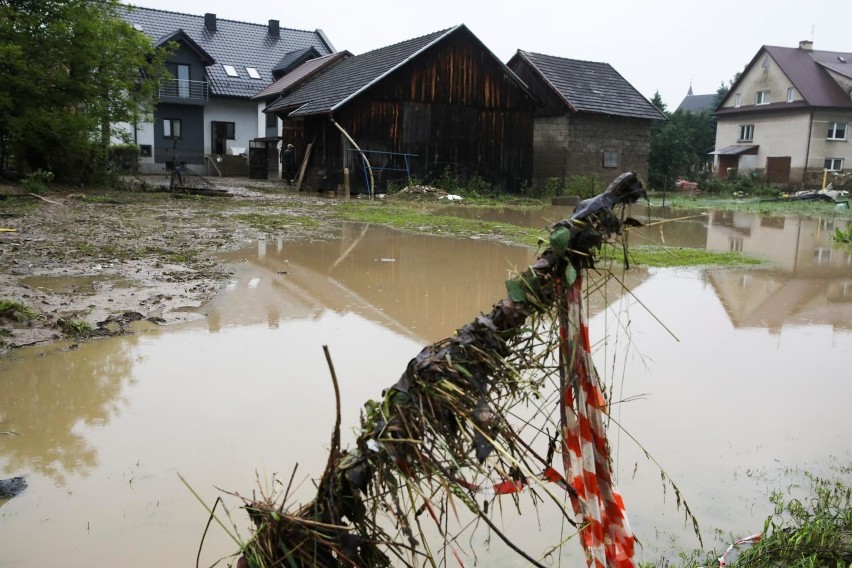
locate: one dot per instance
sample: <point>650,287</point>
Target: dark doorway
<point>221,132</point>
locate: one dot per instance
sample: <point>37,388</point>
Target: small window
<point>610,159</point>
<point>230,71</point>
<point>836,131</point>
<point>790,93</point>
<point>252,72</point>
<point>834,164</point>
<point>762,98</point>
<point>737,100</point>
<point>746,133</point>
<point>171,128</point>
<point>145,151</point>
<point>822,255</point>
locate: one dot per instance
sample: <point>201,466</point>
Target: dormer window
<point>762,98</point>
<point>230,71</point>
<point>252,72</point>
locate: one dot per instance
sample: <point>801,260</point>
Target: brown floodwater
<point>733,380</point>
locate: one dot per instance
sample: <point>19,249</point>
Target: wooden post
<point>304,166</point>
<point>345,183</point>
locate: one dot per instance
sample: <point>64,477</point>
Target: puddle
<point>716,394</point>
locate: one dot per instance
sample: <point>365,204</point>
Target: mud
<point>90,262</point>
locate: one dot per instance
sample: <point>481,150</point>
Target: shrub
<point>38,181</point>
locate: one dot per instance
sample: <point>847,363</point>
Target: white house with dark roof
<point>787,116</point>
<point>206,111</point>
<point>590,121</point>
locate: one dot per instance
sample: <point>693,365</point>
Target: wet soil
<point>89,262</point>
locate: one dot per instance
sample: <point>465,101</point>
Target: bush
<point>38,181</point>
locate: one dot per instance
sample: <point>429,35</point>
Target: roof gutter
<point>808,148</point>
<point>360,151</point>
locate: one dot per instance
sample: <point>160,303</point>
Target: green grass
<point>74,328</point>
<point>425,219</point>
<point>754,205</point>
<point>658,256</point>
<point>16,311</point>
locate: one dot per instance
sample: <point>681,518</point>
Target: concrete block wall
<point>574,144</point>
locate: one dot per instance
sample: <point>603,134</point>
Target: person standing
<point>288,163</point>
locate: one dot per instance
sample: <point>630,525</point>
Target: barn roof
<point>240,44</point>
<point>588,86</point>
<point>346,80</point>
<point>300,74</point>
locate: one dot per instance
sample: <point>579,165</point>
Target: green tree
<point>680,147</point>
<point>72,70</point>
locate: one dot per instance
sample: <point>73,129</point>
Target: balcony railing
<point>190,91</point>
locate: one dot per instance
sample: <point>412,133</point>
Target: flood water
<point>734,378</point>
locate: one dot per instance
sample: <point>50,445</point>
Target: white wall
<point>244,115</point>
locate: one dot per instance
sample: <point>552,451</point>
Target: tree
<point>680,147</point>
<point>72,70</point>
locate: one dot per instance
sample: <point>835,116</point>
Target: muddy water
<point>743,375</point>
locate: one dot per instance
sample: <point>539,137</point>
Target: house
<point>294,70</point>
<point>205,117</point>
<point>436,103</point>
<point>787,116</point>
<point>697,103</point>
<point>591,120</point>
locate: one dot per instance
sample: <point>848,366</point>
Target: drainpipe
<point>360,151</point>
<point>808,149</point>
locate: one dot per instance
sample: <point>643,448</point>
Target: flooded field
<point>735,379</point>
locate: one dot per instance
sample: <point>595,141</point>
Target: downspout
<point>808,149</point>
<point>360,151</point>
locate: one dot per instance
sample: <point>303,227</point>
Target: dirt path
<point>86,262</point>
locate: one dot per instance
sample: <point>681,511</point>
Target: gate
<point>258,160</point>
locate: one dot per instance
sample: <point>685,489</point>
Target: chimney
<point>210,22</point>
<point>806,45</point>
<point>274,28</point>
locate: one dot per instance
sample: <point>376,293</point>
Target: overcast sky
<point>655,44</point>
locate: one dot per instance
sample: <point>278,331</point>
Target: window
<point>610,159</point>
<point>145,151</point>
<point>834,164</point>
<point>790,94</point>
<point>183,81</point>
<point>171,128</point>
<point>271,120</point>
<point>822,255</point>
<point>746,133</point>
<point>737,100</point>
<point>252,72</point>
<point>836,131</point>
<point>762,98</point>
<point>230,71</point>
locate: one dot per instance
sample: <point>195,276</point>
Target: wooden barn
<point>441,102</point>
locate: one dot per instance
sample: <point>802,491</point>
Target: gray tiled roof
<point>349,77</point>
<point>293,59</point>
<point>240,44</point>
<point>697,103</point>
<point>587,86</point>
<point>299,75</point>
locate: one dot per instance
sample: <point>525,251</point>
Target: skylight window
<point>230,71</point>
<point>252,72</point>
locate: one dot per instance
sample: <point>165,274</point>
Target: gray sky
<point>655,44</point>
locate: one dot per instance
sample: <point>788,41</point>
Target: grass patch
<point>74,328</point>
<point>751,205</point>
<point>420,220</point>
<point>656,256</point>
<point>16,311</point>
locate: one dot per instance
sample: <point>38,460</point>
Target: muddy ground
<point>88,262</point>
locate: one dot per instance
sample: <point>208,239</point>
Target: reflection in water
<point>49,396</point>
<point>105,428</point>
